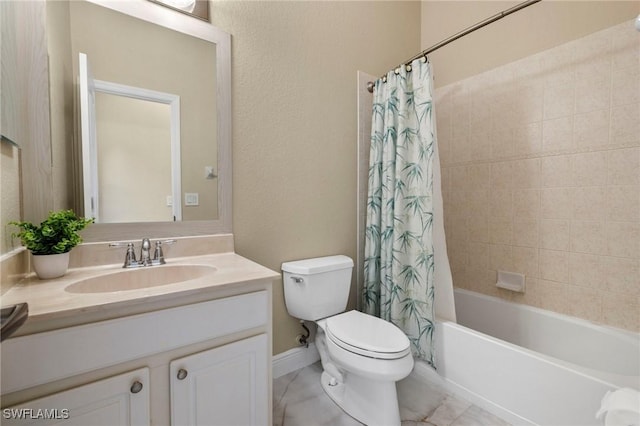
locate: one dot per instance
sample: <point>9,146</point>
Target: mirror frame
<point>159,15</point>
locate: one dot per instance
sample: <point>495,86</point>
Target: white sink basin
<point>139,278</point>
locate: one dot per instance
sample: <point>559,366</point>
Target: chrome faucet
<point>130,260</point>
<point>145,252</point>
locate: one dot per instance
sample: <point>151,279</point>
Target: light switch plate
<point>191,199</point>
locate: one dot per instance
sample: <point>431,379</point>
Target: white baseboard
<point>294,359</point>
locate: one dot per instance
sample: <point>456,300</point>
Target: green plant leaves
<point>58,233</point>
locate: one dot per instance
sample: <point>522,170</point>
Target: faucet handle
<point>130,257</point>
<point>158,255</point>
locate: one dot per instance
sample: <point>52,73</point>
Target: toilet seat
<point>367,335</point>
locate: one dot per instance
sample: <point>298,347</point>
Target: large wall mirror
<point>142,166</point>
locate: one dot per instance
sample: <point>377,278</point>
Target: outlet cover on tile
<point>191,199</point>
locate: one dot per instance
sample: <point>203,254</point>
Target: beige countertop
<point>52,305</point>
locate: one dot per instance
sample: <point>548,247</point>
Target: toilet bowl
<point>365,386</point>
<point>362,356</point>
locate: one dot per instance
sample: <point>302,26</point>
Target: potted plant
<point>51,241</point>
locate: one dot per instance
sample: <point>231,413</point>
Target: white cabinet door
<point>222,386</point>
<point>121,400</point>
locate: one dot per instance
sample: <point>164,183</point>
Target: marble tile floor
<point>299,400</point>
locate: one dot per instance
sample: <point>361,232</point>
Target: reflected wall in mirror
<point>122,197</point>
<point>155,49</point>
<point>121,124</point>
<point>154,58</point>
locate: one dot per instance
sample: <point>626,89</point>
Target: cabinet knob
<point>136,387</point>
<point>182,374</point>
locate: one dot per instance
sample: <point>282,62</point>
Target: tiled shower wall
<point>541,175</point>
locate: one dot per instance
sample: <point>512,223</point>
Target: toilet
<point>362,356</point>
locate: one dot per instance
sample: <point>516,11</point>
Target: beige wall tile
<point>625,126</point>
<point>479,257</point>
<point>554,234</point>
<point>478,202</point>
<point>557,135</point>
<point>480,147</point>
<point>623,239</point>
<point>556,171</point>
<point>586,270</point>
<point>478,228</point>
<point>525,261</point>
<point>526,203</point>
<point>459,200</point>
<point>458,227</point>
<point>554,265</point>
<point>555,64</point>
<point>589,203</point>
<point>593,93</point>
<point>525,232</point>
<point>624,167</point>
<point>621,311</point>
<point>501,141</point>
<point>526,173</point>
<point>502,175</point>
<point>625,85</point>
<point>624,52</point>
<point>622,275</point>
<point>528,138</point>
<point>589,169</point>
<point>558,101</point>
<point>530,101</point>
<point>583,303</point>
<point>623,203</point>
<point>479,176</point>
<point>550,295</point>
<point>550,178</point>
<point>501,203</point>
<point>555,203</point>
<point>459,150</point>
<point>458,255</point>
<point>588,237</point>
<point>486,283</point>
<point>529,295</point>
<point>445,182</point>
<point>459,177</point>
<point>591,129</point>
<point>500,258</point>
<point>591,63</point>
<point>500,230</point>
<point>479,114</point>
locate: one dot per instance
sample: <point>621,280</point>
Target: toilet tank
<point>317,288</point>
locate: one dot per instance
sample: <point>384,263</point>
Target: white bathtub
<point>532,366</point>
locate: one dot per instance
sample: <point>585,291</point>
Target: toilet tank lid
<point>318,265</point>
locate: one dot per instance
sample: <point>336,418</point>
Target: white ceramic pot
<point>49,266</point>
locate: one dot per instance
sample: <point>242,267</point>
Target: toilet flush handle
<point>298,280</point>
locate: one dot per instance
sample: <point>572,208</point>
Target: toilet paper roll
<point>620,408</point>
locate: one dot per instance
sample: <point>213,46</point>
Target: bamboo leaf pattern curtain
<point>399,261</point>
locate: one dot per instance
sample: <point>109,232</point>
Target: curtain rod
<point>463,33</point>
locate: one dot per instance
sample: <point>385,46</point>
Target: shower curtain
<point>399,255</point>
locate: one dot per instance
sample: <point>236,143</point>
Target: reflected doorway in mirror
<point>133,123</point>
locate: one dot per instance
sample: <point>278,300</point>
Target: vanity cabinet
<point>223,386</point>
<point>203,363</point>
<point>120,400</point>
